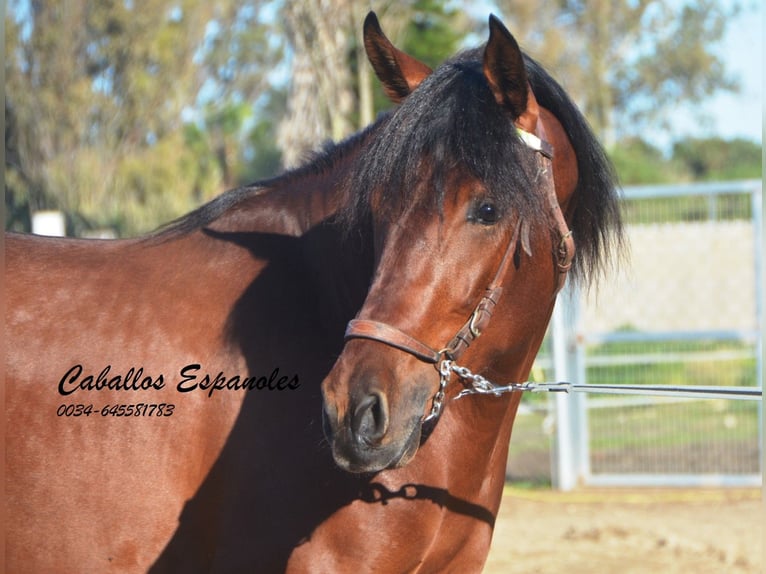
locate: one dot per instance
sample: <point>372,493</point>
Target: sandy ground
<point>629,532</point>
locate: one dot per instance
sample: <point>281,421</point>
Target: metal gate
<point>686,307</point>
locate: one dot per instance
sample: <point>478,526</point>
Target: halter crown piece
<point>479,319</point>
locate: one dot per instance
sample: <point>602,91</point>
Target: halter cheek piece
<point>479,319</point>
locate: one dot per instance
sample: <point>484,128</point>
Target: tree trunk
<point>321,101</point>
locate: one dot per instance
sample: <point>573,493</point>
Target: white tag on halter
<point>535,143</point>
<point>531,140</point>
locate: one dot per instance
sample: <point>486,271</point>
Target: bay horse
<point>255,387</point>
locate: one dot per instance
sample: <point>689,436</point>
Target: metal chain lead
<point>480,385</point>
<point>445,370</point>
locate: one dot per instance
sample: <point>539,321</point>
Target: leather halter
<point>479,319</point>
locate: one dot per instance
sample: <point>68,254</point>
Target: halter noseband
<point>479,319</point>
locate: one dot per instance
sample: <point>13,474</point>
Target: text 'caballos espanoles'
<point>188,379</point>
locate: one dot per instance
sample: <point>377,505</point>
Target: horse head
<point>466,186</point>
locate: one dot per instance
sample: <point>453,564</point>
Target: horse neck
<point>476,430</point>
<point>297,211</point>
<point>292,207</point>
<point>297,201</point>
<point>339,262</point>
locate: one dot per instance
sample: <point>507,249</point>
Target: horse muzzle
<point>373,430</point>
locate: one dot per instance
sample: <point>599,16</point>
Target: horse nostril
<point>370,420</point>
<point>327,427</point>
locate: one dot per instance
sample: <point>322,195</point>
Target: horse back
<point>101,453</point>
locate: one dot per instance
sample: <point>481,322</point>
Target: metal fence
<point>685,308</point>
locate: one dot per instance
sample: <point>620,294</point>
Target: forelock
<point>451,122</point>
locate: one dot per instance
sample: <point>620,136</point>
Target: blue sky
<point>728,115</point>
<point>738,114</point>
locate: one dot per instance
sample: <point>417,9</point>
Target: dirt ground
<point>629,532</point>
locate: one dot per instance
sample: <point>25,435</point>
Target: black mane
<point>596,222</point>
<point>315,164</point>
<point>452,120</point>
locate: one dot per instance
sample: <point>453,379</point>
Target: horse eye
<point>487,214</point>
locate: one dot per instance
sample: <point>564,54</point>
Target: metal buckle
<point>475,331</point>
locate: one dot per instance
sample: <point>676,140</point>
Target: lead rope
<point>480,385</point>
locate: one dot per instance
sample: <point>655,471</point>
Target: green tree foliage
<point>627,62</point>
<point>97,93</point>
<point>241,50</point>
<point>719,159</point>
<point>127,113</point>
<point>692,159</point>
<point>638,162</point>
<point>260,156</point>
<point>433,32</point>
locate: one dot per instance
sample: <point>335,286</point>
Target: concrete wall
<point>678,277</point>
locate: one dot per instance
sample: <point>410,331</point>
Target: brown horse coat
<point>165,394</point>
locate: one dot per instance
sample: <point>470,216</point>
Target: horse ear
<point>507,76</point>
<point>399,73</point>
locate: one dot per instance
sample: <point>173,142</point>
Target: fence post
<point>756,204</point>
<point>570,446</point>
